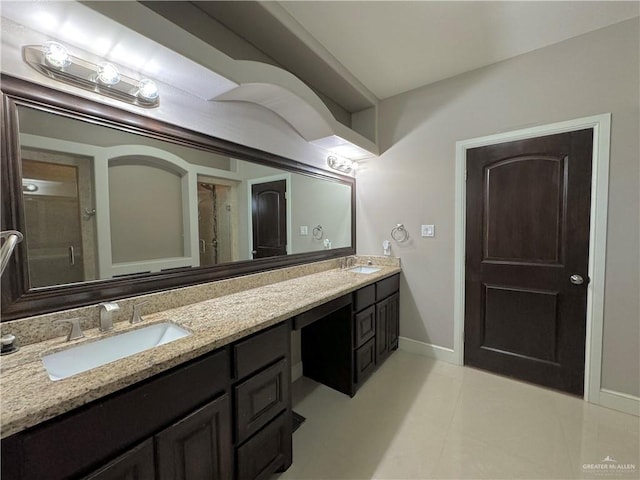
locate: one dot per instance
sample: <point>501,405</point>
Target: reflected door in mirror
<point>269,216</point>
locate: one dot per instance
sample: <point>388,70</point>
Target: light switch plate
<point>428,230</point>
<point>304,230</point>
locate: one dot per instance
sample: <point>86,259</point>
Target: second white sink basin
<point>86,356</point>
<point>364,269</point>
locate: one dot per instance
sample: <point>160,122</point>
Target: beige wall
<point>146,218</point>
<point>413,180</point>
<point>319,203</point>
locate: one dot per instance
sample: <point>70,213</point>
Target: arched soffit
<point>290,98</point>
<point>201,69</point>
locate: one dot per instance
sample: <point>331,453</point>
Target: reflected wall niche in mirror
<point>113,205</point>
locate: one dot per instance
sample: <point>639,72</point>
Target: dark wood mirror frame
<point>19,300</point>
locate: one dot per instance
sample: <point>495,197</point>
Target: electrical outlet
<point>428,231</point>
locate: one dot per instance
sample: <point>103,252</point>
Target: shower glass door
<point>54,222</point>
<point>215,222</point>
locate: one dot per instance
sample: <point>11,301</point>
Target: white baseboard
<point>622,402</point>
<point>296,371</point>
<point>428,350</point>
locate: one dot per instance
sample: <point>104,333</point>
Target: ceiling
<point>358,52</point>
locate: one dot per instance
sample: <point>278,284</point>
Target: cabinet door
<point>364,326</point>
<point>260,398</point>
<point>268,451</point>
<point>382,331</point>
<point>136,464</point>
<point>365,361</point>
<point>394,321</point>
<point>198,446</point>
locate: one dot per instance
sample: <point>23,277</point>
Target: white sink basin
<point>364,269</point>
<point>90,355</point>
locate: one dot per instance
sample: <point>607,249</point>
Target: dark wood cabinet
<point>267,451</point>
<point>394,321</point>
<point>364,326</point>
<point>86,439</point>
<point>194,448</point>
<point>345,340</point>
<point>260,398</point>
<point>387,316</point>
<point>327,348</point>
<point>387,326</point>
<point>365,361</point>
<point>198,446</point>
<point>222,416</point>
<point>136,464</point>
<point>262,403</point>
<point>382,331</point>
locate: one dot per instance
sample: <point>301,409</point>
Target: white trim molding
<point>296,371</point>
<point>601,125</point>
<point>427,349</point>
<point>618,401</point>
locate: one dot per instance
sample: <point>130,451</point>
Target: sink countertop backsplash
<point>218,313</point>
<point>42,327</point>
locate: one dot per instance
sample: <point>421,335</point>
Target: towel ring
<point>399,233</point>
<point>317,232</point>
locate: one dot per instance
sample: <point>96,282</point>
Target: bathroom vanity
<point>213,404</point>
<point>222,407</point>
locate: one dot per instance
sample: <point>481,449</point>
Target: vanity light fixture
<point>341,164</point>
<point>53,60</point>
<point>107,74</point>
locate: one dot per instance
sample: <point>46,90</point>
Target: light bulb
<point>340,164</point>
<point>56,55</point>
<point>107,74</point>
<point>147,89</point>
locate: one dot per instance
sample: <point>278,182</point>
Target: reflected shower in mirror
<point>103,203</point>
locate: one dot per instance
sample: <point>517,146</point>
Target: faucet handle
<point>75,332</point>
<point>136,318</point>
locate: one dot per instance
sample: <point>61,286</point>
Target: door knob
<point>576,279</point>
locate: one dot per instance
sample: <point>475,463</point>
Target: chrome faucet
<point>348,262</point>
<point>106,310</point>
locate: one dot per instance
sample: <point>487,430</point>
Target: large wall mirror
<point>112,204</point>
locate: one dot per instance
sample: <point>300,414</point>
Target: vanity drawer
<point>321,311</point>
<point>260,398</point>
<point>268,451</point>
<point>387,286</point>
<point>260,350</point>
<point>364,326</point>
<point>364,297</point>
<point>365,360</point>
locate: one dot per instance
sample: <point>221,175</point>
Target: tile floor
<point>417,418</point>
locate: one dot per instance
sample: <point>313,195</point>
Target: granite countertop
<point>29,397</point>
